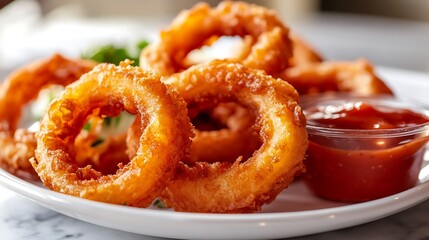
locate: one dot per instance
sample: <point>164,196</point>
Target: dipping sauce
<point>363,150</point>
<point>360,115</point>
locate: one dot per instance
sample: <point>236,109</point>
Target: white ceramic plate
<point>295,212</point>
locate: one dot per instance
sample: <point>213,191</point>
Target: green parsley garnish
<point>107,121</point>
<point>117,120</point>
<point>114,54</point>
<point>87,126</point>
<point>142,44</point>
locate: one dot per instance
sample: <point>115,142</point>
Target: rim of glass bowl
<point>307,101</point>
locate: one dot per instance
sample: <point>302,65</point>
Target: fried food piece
<point>356,77</point>
<point>270,45</point>
<point>16,151</point>
<point>18,89</point>
<point>108,90</point>
<point>241,187</point>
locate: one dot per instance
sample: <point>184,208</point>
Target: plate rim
<point>385,206</point>
<point>10,181</point>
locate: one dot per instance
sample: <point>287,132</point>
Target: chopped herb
<point>97,142</point>
<point>107,121</point>
<point>114,54</point>
<point>117,120</point>
<point>142,44</point>
<point>158,203</point>
<point>108,54</point>
<point>87,126</point>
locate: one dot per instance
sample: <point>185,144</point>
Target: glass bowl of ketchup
<point>363,148</point>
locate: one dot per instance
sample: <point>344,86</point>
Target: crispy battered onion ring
<point>271,47</point>
<point>241,187</point>
<point>108,90</point>
<point>19,88</point>
<point>357,77</point>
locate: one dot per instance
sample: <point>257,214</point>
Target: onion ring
<point>270,51</point>
<point>241,187</point>
<point>17,90</point>
<point>107,90</point>
<point>356,77</point>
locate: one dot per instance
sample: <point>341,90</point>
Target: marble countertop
<point>21,218</point>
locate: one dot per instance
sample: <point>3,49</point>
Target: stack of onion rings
<point>267,47</point>
<point>107,90</point>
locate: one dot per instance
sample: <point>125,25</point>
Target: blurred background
<point>392,33</point>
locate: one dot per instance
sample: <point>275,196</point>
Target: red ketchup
<point>372,151</point>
